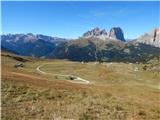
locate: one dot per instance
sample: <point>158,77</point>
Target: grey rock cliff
<point>96,32</point>
<point>152,38</point>
<point>116,33</point>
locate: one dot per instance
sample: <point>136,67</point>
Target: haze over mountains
<point>96,44</point>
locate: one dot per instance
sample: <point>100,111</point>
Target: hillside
<point>109,50</point>
<point>109,95</point>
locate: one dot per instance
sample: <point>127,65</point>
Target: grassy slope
<point>115,94</point>
<point>115,73</point>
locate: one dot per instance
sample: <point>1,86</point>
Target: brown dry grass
<point>28,95</point>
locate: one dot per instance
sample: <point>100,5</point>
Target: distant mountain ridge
<point>30,44</point>
<point>29,37</point>
<point>94,45</point>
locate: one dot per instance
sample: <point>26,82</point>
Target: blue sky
<point>72,19</point>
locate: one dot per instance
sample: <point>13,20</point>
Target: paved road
<point>77,80</point>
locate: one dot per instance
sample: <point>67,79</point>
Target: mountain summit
<point>114,33</point>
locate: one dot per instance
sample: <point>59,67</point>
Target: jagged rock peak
<point>116,33</point>
<point>152,38</point>
<point>96,32</point>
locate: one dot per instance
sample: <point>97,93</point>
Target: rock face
<point>152,38</point>
<point>96,32</point>
<point>115,33</point>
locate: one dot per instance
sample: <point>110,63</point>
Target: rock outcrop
<point>96,32</point>
<point>116,33</point>
<point>152,38</point>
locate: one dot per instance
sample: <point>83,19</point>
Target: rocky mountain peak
<point>151,38</point>
<point>116,33</point>
<point>96,32</point>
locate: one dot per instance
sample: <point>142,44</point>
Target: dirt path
<point>75,80</point>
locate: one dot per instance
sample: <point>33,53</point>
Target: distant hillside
<point>4,49</point>
<point>100,50</point>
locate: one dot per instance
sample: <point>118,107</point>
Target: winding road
<point>76,78</point>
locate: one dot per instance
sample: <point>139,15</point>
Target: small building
<point>19,65</point>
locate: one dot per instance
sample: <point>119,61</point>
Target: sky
<point>72,19</point>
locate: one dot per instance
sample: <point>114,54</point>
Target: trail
<point>83,81</point>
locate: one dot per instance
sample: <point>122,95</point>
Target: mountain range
<point>94,45</point>
<point>30,44</point>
